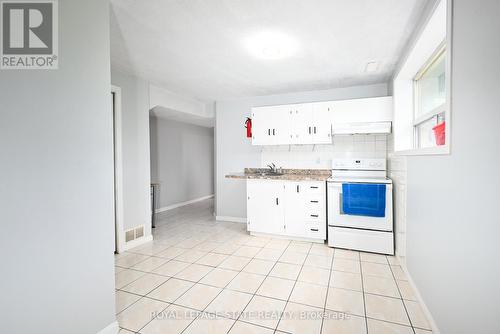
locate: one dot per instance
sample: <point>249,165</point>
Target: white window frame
<point>439,110</point>
<point>421,52</point>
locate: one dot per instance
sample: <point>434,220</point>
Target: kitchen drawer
<point>317,231</point>
<point>314,189</point>
<point>361,240</point>
<point>315,216</point>
<point>315,203</point>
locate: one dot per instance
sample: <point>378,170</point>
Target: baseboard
<point>178,205</point>
<point>112,328</point>
<point>137,242</point>
<point>425,309</point>
<point>231,219</point>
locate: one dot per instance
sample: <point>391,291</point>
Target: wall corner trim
<point>425,309</point>
<point>231,219</point>
<point>177,205</point>
<point>112,328</point>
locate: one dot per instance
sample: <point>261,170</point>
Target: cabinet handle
<point>277,202</point>
<point>297,188</point>
<point>314,187</point>
<point>314,229</point>
<point>274,132</point>
<point>309,130</point>
<point>314,130</point>
<point>314,201</point>
<point>268,132</point>
<point>315,216</point>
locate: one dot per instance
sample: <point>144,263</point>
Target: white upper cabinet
<point>315,123</point>
<point>300,123</point>
<point>322,122</point>
<point>270,125</point>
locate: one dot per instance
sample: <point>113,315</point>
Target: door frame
<point>118,170</point>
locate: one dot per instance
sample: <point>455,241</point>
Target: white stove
<point>362,219</point>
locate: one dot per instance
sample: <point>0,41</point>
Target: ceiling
<point>197,47</point>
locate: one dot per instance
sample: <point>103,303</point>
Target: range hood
<point>361,128</point>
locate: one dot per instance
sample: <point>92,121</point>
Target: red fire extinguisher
<point>248,126</point>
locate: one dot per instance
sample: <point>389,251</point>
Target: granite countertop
<point>288,174</point>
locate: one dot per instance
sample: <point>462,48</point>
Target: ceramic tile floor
<point>203,276</point>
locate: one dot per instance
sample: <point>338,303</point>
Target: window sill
<point>438,150</point>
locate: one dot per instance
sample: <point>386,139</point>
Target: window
<point>421,87</point>
<point>430,102</point>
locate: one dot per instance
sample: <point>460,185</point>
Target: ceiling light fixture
<point>271,45</point>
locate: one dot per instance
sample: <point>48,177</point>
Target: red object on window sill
<point>440,134</point>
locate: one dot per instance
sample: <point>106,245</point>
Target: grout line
<point>327,291</point>
<point>293,288</point>
<point>363,291</point>
<point>255,292</point>
<point>402,301</point>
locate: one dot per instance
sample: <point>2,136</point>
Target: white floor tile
<point>198,297</point>
<point>170,290</point>
<point>229,304</point>
<point>340,323</point>
<point>383,327</point>
<point>346,280</point>
<point>208,324</point>
<point>275,287</point>
<point>264,311</point>
<point>348,301</point>
<point>246,282</point>
<point>285,270</point>
<point>298,318</point>
<point>386,308</point>
<point>309,294</point>
<point>140,313</point>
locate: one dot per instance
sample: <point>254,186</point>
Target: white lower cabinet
<point>290,208</point>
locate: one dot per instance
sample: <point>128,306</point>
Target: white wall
<point>453,224</point>
<point>182,161</point>
<point>234,151</point>
<point>135,150</point>
<point>56,184</point>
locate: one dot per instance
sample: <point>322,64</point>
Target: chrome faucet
<point>272,167</point>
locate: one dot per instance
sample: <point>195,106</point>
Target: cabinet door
<point>280,125</point>
<point>295,208</point>
<point>260,126</point>
<point>265,207</point>
<point>270,125</point>
<point>322,123</point>
<point>301,123</point>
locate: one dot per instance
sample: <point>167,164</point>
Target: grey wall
<point>182,160</point>
<point>135,149</point>
<point>56,181</point>
<point>235,151</point>
<point>453,224</point>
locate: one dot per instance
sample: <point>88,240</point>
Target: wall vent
<point>139,231</point>
<point>134,233</point>
<point>129,235</point>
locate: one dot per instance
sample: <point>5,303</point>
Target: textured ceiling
<point>197,47</point>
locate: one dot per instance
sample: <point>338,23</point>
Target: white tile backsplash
<point>320,156</point>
